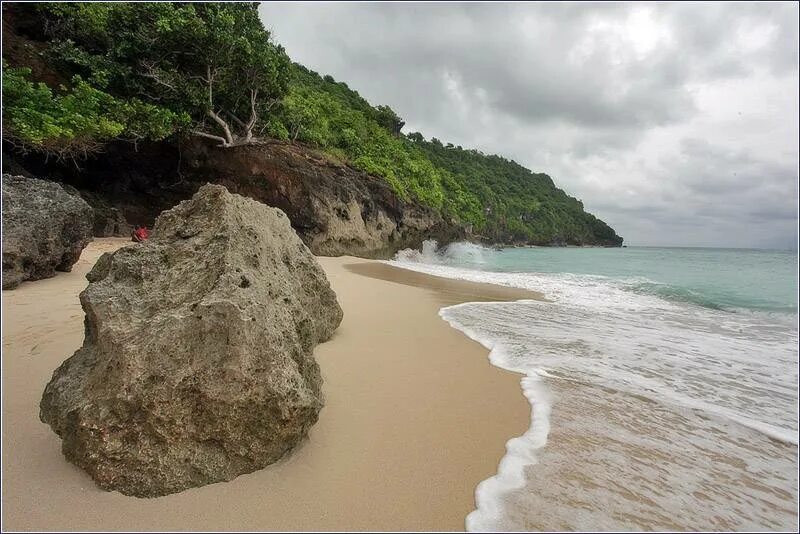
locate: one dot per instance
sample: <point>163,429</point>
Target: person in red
<point>139,234</point>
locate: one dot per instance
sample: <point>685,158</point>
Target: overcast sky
<point>677,124</point>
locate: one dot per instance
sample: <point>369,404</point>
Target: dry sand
<point>415,418</point>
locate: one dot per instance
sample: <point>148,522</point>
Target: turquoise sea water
<point>715,277</point>
<point>677,366</point>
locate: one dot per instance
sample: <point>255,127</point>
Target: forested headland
<point>80,76</point>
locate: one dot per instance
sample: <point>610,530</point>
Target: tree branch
<point>223,142</point>
<point>237,119</point>
<point>248,130</point>
<point>210,111</point>
<point>223,125</point>
<point>153,75</point>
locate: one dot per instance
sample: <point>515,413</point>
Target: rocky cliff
<point>334,208</point>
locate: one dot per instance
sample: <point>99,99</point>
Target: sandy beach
<point>415,418</point>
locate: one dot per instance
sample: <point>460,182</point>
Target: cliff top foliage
<point>159,70</point>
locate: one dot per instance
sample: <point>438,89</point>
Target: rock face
<point>108,220</point>
<point>197,363</point>
<point>44,229</point>
<point>334,208</point>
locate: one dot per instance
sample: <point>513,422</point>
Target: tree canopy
<point>213,61</point>
<point>76,121</point>
<point>500,199</point>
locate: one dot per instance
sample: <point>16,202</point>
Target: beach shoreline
<point>415,417</point>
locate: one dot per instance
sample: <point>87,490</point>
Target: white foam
<point>520,451</point>
<point>736,366</point>
<point>461,252</point>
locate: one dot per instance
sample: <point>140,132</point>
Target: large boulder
<point>197,363</point>
<point>44,229</point>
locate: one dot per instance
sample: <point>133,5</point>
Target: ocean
<point>663,384</point>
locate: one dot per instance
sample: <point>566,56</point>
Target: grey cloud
<point>709,28</point>
<point>734,192</point>
<point>562,88</point>
<point>488,48</point>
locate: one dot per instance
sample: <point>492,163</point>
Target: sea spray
<point>427,254</point>
<point>458,253</point>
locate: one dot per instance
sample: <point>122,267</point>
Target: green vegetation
<point>153,70</point>
<point>520,205</point>
<point>499,198</point>
<point>212,62</point>
<point>77,120</point>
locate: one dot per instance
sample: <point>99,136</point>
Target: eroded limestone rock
<point>197,363</point>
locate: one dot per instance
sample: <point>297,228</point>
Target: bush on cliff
<point>77,120</point>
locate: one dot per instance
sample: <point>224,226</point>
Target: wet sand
<point>415,418</point>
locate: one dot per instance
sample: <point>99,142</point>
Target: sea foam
<point>520,451</point>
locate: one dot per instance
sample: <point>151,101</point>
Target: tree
<point>77,121</point>
<point>416,137</point>
<point>386,117</point>
<point>215,61</point>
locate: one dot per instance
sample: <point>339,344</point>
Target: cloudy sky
<point>675,123</point>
